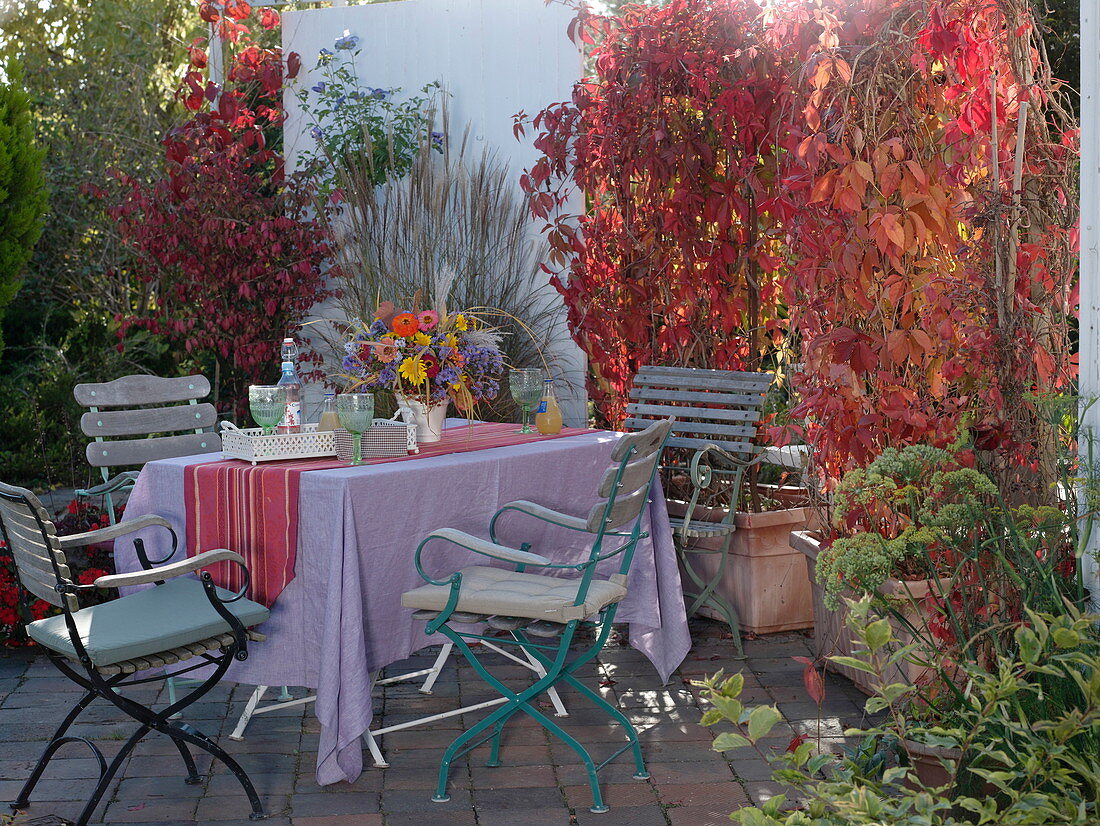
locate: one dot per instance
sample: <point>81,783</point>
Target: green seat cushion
<point>144,623</point>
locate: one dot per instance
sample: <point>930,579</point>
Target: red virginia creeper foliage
<point>932,255</point>
<point>851,155</point>
<point>677,260</point>
<point>230,246</point>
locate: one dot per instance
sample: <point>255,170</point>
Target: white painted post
<point>1089,381</point>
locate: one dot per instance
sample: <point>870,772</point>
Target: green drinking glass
<point>356,412</point>
<point>525,384</point>
<point>268,405</point>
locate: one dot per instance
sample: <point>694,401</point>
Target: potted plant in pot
<point>939,551</point>
<point>896,531</point>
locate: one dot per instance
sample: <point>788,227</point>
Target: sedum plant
<point>901,516</point>
<point>1023,761</point>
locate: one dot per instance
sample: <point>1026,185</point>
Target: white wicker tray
<point>251,445</point>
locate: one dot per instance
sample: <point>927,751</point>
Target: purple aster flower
<point>437,138</point>
<point>380,94</point>
<point>320,87</point>
<point>316,133</point>
<point>346,43</point>
<point>324,57</point>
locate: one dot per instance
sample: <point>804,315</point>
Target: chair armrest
<point>485,547</point>
<point>79,540</point>
<point>563,520</point>
<point>175,569</point>
<point>123,480</point>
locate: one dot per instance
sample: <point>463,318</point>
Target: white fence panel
<point>494,57</point>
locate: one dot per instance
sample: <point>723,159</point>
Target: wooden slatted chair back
<point>32,541</point>
<point>712,407</point>
<point>153,408</point>
<point>628,492</point>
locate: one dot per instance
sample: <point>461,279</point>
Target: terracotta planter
<point>765,579</point>
<point>831,634</point>
<point>927,763</point>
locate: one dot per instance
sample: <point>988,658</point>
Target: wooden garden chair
<point>541,612</point>
<point>717,416</point>
<point>105,648</point>
<point>155,410</point>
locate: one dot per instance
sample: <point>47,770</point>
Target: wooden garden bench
<point>714,437</point>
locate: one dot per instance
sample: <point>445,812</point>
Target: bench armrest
<point>484,547</point>
<point>175,569</point>
<point>563,520</point>
<point>109,532</point>
<point>123,480</point>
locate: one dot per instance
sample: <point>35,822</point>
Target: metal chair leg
<point>56,742</point>
<point>708,596</point>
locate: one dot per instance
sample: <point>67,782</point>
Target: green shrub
<point>1026,758</point>
<point>22,186</point>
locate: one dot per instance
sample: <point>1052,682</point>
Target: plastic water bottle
<point>292,418</point>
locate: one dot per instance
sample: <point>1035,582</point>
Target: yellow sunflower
<point>461,324</point>
<point>413,371</point>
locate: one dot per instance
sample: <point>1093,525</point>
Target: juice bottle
<point>548,417</point>
<point>330,420</point>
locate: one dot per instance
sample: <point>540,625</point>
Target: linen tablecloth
<point>340,620</point>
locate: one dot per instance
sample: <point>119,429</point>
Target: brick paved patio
<point>540,783</point>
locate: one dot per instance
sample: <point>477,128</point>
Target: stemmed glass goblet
<point>525,384</point>
<point>356,412</point>
<point>268,405</point>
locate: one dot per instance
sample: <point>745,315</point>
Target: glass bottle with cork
<point>292,418</point>
<point>548,417</point>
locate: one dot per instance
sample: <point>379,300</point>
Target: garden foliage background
<point>102,77</point>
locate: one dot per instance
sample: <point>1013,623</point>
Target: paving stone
<point>342,820</point>
<point>703,794</point>
<point>491,800</point>
<point>327,803</point>
<point>638,793</point>
<point>699,816</point>
<point>550,816</point>
<point>420,800</point>
<point>237,807</point>
<point>511,777</point>
<point>651,815</point>
<point>155,810</point>
<point>689,772</point>
<point>437,817</point>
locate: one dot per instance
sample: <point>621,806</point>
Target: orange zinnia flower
<point>405,324</point>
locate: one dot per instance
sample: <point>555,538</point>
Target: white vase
<point>429,421</point>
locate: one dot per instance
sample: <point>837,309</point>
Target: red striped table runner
<point>253,509</point>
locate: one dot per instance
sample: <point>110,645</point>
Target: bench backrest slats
<point>711,407</point>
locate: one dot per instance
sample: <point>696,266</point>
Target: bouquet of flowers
<point>426,355</point>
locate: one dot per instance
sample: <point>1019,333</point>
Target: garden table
<point>339,620</point>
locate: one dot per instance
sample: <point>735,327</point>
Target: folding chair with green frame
<point>536,605</point>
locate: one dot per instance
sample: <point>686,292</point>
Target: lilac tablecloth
<point>340,620</point>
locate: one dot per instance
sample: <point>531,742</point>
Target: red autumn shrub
<point>229,249</point>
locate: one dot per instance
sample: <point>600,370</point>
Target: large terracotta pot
<point>831,634</point>
<point>765,579</point>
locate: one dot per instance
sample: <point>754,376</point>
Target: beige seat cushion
<point>493,591</point>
